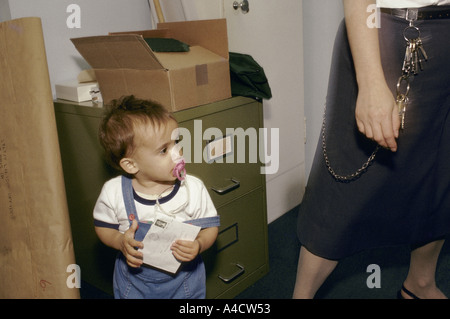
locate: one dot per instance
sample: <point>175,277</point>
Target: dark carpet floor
<point>349,279</point>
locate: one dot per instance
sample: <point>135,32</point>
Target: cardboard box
<point>124,64</point>
<point>75,91</point>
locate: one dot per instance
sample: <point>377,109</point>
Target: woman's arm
<point>376,111</point>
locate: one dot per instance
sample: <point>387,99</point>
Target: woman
<point>378,178</point>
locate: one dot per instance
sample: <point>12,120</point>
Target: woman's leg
<point>312,271</point>
<point>421,279</point>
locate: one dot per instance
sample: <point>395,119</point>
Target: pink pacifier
<point>179,170</point>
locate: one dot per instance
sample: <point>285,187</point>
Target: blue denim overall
<point>149,283</point>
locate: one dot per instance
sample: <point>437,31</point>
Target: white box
<point>74,91</point>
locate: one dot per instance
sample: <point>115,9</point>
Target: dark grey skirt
<point>403,197</point>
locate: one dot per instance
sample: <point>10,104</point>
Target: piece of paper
<point>159,239</point>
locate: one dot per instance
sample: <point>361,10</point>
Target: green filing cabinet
<point>240,255</point>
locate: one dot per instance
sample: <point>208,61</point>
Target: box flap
<point>178,60</point>
<point>128,51</point>
<point>159,33</point>
<point>210,34</point>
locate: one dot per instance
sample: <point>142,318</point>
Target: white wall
<point>98,17</point>
<point>5,13</point>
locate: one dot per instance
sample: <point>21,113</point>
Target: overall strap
<point>205,222</point>
<point>127,191</point>
<point>130,207</point>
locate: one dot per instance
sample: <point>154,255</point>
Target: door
<point>272,33</point>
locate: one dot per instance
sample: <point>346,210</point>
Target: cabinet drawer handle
<point>233,276</point>
<point>223,191</point>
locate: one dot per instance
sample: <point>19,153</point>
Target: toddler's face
<point>155,152</point>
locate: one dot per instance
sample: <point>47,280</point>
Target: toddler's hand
<point>129,245</point>
<point>185,250</point>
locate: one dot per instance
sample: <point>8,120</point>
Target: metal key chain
<point>415,56</point>
<point>415,53</point>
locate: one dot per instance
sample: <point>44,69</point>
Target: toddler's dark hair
<point>117,129</point>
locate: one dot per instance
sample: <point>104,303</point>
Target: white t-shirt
<point>411,3</point>
<point>187,202</point>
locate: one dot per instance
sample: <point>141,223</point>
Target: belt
<point>425,13</point>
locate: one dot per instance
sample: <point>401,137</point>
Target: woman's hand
<point>377,115</point>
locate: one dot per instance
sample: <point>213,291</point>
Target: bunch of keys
<point>415,54</point>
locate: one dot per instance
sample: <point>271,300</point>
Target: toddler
<point>139,139</point>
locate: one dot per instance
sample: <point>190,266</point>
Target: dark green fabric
<point>166,45</point>
<point>248,77</point>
